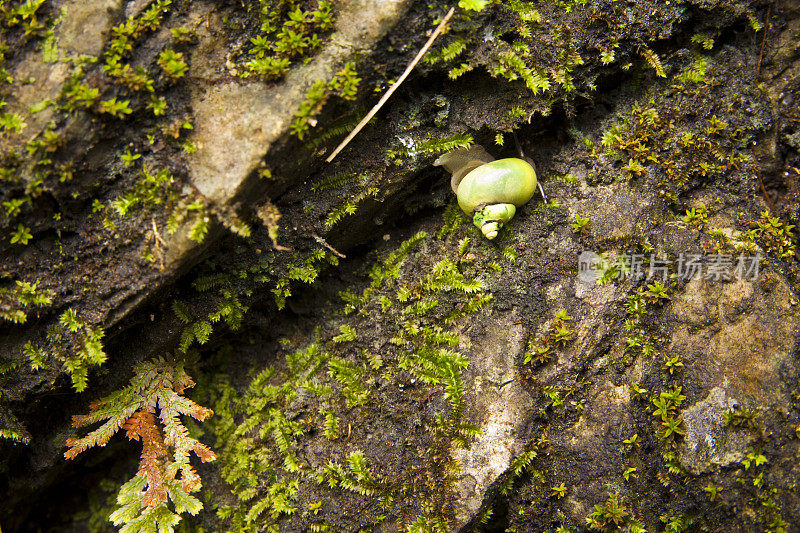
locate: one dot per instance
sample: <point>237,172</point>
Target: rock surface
<point>237,123</point>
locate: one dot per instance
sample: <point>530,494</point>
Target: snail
<point>487,189</point>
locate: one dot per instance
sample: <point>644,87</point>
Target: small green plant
<point>634,167</point>
<point>632,441</point>
<point>150,190</point>
<point>656,293</point>
<point>331,424</point>
<point>608,55</point>
<point>351,376</point>
<point>48,142</point>
<point>344,84</point>
<point>608,516</point>
<point>356,478</point>
<point>158,104</point>
<point>580,224</point>
<point>638,391</point>
<point>172,64</point>
<point>741,417</point>
<point>667,405</point>
<point>671,428</point>
<point>712,491</point>
<point>446,144</point>
<point>14,206</point>
<point>698,216</point>
<point>562,333</point>
<point>11,122</point>
<point>85,347</point>
<point>473,5</point>
<point>22,235</point>
<point>555,396</point>
<point>559,491</point>
<point>654,61</point>
<point>118,109</point>
<point>511,66</point>
<point>287,35</point>
<point>695,73</point>
<point>15,301</point>
<point>672,364</point>
<point>629,473</point>
<point>776,236</point>
<point>703,40</point>
<point>182,35</point>
<point>350,205</point>
<point>347,334</point>
<point>77,95</point>
<point>516,113</point>
<point>24,12</point>
<point>676,523</point>
<point>518,466</point>
<point>269,68</point>
<point>129,158</point>
<point>753,459</point>
<point>715,125</point>
<point>539,354</point>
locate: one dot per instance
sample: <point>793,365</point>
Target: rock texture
<point>237,123</point>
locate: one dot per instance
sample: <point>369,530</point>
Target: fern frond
<point>181,311</point>
<point>143,501</point>
<point>142,426</point>
<point>654,61</point>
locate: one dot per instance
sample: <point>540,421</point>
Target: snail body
<point>489,190</point>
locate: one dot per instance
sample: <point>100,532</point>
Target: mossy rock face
<point>373,362</point>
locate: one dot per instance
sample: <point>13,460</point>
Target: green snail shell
<point>489,191</point>
<point>504,181</point>
<point>461,161</point>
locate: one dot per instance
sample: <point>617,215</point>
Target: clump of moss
<point>288,33</point>
<point>344,84</point>
<point>338,375</point>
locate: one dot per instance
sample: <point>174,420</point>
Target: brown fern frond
<point>190,480</point>
<point>181,380</point>
<point>132,426</point>
<point>205,453</point>
<point>142,426</point>
<point>100,436</point>
<point>654,61</point>
<point>171,400</point>
<point>155,388</point>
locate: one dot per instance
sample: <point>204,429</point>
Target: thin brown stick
<point>764,191</point>
<point>394,87</point>
<point>763,41</point>
<point>324,243</point>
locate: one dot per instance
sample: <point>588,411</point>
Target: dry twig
<point>763,41</point>
<point>394,87</point>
